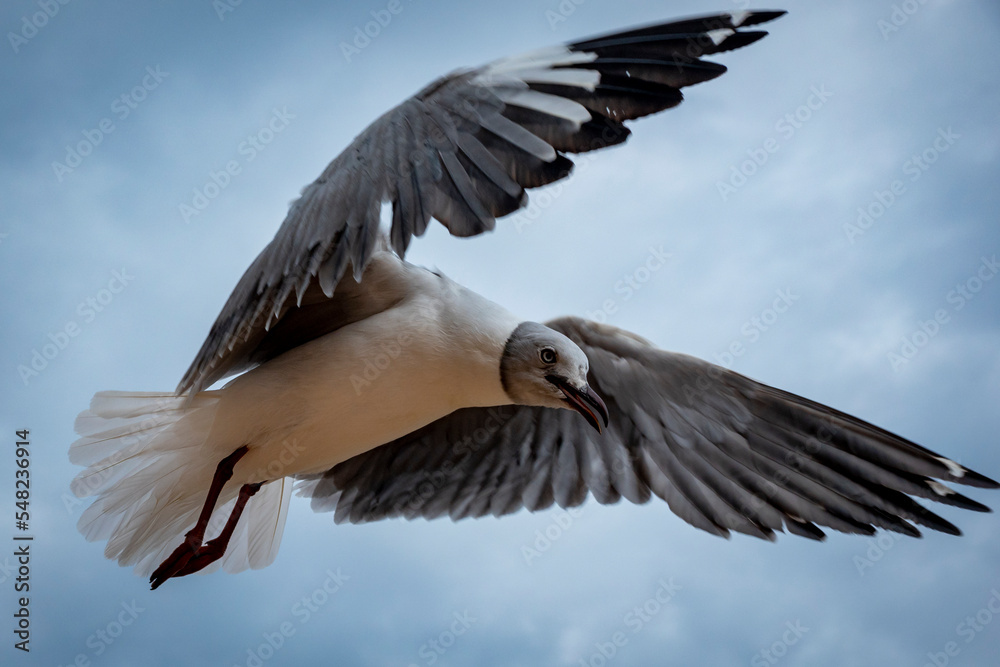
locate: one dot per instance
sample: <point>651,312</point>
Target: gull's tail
<point>149,464</point>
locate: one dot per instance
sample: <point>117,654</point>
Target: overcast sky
<point>854,105</point>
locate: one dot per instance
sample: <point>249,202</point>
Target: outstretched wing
<point>463,150</point>
<point>725,452</point>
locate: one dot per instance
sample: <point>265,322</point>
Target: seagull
<point>381,389</point>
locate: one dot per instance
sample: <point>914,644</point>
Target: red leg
<point>213,550</point>
<point>194,537</point>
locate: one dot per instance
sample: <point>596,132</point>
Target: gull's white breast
<point>366,384</point>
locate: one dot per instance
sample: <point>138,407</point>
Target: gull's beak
<point>584,400</point>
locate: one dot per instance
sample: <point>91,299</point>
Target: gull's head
<point>544,368</point>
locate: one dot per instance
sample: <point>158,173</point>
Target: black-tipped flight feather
<point>726,453</point>
<point>399,439</point>
<point>463,150</point>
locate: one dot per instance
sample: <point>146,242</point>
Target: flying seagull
<point>388,390</point>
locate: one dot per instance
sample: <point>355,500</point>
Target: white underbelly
<point>346,393</point>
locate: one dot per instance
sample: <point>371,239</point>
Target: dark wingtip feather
<point>972,478</point>
<point>713,72</point>
<point>758,17</point>
<point>966,503</point>
<point>906,528</point>
<point>740,39</point>
<point>805,529</point>
<point>934,522</point>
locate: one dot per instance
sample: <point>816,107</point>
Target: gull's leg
<point>213,550</point>
<point>194,537</point>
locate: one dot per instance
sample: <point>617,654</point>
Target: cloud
<point>782,229</point>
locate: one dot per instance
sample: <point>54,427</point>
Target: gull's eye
<point>548,355</point>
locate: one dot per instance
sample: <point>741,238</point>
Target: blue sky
<point>854,105</point>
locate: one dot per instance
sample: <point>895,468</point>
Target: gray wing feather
<point>463,150</point>
<point>725,452</point>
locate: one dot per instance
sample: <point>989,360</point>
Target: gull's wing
<point>388,280</point>
<point>463,150</point>
<point>725,452</point>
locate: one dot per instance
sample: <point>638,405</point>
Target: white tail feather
<point>150,468</point>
